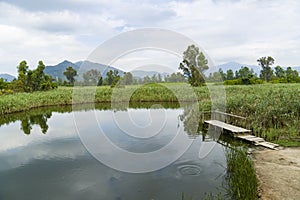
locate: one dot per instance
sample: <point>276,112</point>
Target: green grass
<point>272,110</point>
<point>241,177</point>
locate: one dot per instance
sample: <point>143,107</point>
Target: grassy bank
<point>241,177</point>
<point>272,110</point>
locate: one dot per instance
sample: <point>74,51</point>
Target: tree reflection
<point>191,119</point>
<point>39,119</point>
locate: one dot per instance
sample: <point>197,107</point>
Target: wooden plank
<point>229,127</point>
<point>251,138</point>
<point>268,145</point>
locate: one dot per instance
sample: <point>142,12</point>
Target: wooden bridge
<point>221,120</point>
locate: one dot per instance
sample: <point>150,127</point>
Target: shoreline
<point>278,173</point>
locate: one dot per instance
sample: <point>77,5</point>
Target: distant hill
<point>57,71</point>
<point>236,66</point>
<point>7,77</point>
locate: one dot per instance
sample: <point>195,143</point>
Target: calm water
<point>42,156</point>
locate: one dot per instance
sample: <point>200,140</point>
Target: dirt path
<point>278,173</point>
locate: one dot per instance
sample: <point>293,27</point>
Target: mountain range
<point>56,71</point>
<point>7,77</point>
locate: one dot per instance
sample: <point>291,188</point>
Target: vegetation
<point>272,111</point>
<point>70,74</point>
<point>241,177</point>
<point>92,77</point>
<point>266,72</point>
<point>193,65</point>
<point>29,80</point>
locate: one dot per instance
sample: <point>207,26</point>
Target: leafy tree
<point>3,84</point>
<point>193,65</point>
<point>266,62</point>
<point>127,78</point>
<point>246,73</point>
<point>37,77</point>
<point>112,77</point>
<point>70,74</point>
<point>223,75</point>
<point>279,72</point>
<point>146,80</point>
<point>229,75</point>
<point>292,76</point>
<point>21,83</point>
<point>92,77</point>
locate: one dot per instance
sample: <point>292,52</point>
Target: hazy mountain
<point>57,71</point>
<point>7,77</point>
<point>236,66</point>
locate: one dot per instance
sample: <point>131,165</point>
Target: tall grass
<point>241,177</point>
<point>272,110</point>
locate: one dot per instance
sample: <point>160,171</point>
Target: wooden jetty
<point>220,120</point>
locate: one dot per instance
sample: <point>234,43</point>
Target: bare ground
<point>278,173</point>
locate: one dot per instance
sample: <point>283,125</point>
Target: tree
<point>193,65</point>
<point>223,75</point>
<point>229,75</point>
<point>70,74</point>
<point>112,77</point>
<point>21,83</point>
<point>92,77</point>
<point>266,72</point>
<point>279,72</point>
<point>36,77</point>
<point>127,78</point>
<point>175,77</point>
<point>292,76</point>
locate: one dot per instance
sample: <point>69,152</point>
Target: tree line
<point>113,78</point>
<point>192,70</point>
<point>246,75</point>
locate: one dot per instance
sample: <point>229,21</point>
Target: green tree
<point>21,83</point>
<point>112,77</point>
<point>146,80</point>
<point>292,76</point>
<point>37,77</point>
<point>175,77</point>
<point>127,78</point>
<point>223,74</point>
<point>266,62</point>
<point>229,75</point>
<point>70,74</point>
<point>279,72</point>
<point>193,65</point>
<point>92,77</point>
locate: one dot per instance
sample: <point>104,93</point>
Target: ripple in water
<point>189,170</point>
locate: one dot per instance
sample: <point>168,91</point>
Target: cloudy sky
<point>228,30</point>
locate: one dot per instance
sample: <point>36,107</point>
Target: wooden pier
<point>220,120</point>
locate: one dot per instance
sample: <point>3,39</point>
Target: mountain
<point>81,67</point>
<point>236,66</point>
<point>141,73</point>
<point>7,77</point>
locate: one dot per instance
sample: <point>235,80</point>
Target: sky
<point>227,30</point>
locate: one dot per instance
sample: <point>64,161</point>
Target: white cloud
<point>227,29</point>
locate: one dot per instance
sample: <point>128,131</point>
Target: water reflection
<point>56,165</point>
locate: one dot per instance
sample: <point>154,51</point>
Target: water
<point>42,156</point>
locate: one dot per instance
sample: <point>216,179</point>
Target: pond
<point>43,154</point>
